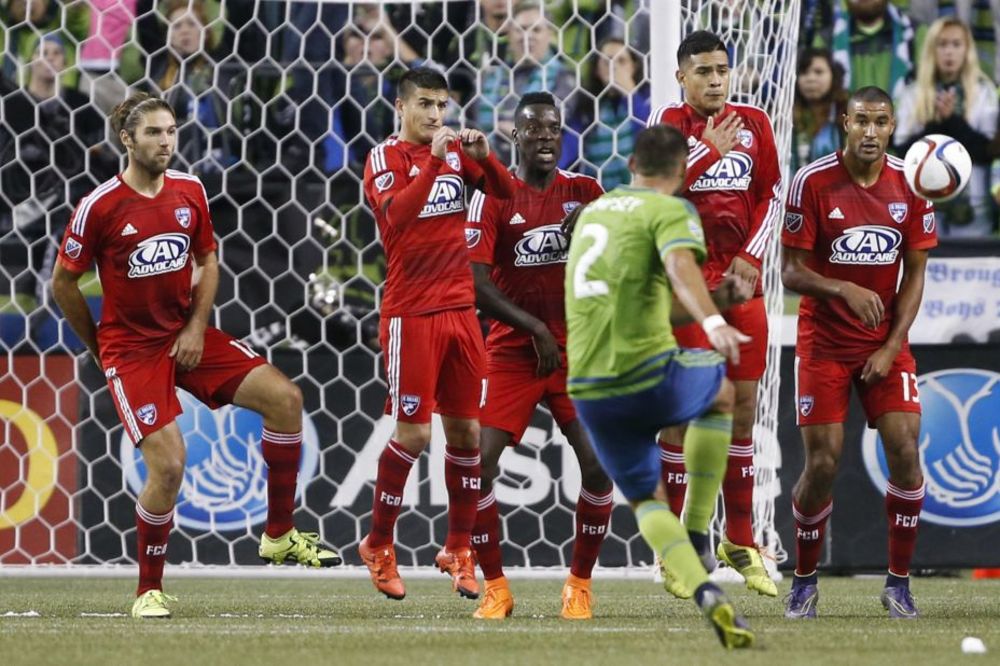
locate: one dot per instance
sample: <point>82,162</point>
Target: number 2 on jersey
<point>582,287</point>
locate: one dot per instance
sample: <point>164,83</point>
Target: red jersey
<point>737,195</point>
<point>855,234</point>
<point>520,238</point>
<point>142,247</point>
<point>419,205</point>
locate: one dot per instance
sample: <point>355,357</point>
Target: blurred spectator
<point>820,102</point>
<point>29,19</point>
<point>532,64</point>
<point>952,96</point>
<point>607,114</point>
<point>110,24</point>
<point>983,16</point>
<point>873,41</point>
<point>474,49</point>
<point>52,154</point>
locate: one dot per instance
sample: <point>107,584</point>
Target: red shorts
<point>750,318</point>
<point>434,363</point>
<point>145,391</point>
<point>823,390</point>
<point>513,392</point>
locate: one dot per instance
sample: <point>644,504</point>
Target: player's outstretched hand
<point>727,340</point>
<point>439,144</point>
<point>877,366</point>
<point>188,347</point>
<point>725,135</point>
<point>547,349</point>
<point>864,303</point>
<point>746,271</point>
<point>474,144</point>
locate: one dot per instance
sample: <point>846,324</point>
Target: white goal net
<point>278,104</point>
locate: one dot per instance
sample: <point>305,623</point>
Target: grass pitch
<point>286,622</point>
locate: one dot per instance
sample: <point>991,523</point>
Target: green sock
<point>706,451</point>
<point>667,537</point>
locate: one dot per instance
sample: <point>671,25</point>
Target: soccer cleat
<point>730,627</point>
<point>748,562</point>
<point>297,548</point>
<point>800,604</point>
<point>152,604</point>
<point>899,602</point>
<point>497,602</point>
<point>577,599</point>
<point>381,563</point>
<point>672,584</point>
<point>460,565</point>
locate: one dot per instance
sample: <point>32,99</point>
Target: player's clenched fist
<point>439,144</point>
<point>864,303</point>
<point>474,144</point>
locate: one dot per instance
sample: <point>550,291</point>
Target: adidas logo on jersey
<point>129,230</point>
<point>517,219</point>
<point>835,214</point>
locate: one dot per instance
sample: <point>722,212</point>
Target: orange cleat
<point>460,565</point>
<point>381,563</point>
<point>497,603</point>
<point>577,599</point>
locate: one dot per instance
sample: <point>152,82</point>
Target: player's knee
<point>593,476</point>
<point>168,475</point>
<point>821,469</point>
<point>725,399</point>
<point>288,400</point>
<point>463,433</point>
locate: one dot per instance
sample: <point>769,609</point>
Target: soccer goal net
<point>278,104</point>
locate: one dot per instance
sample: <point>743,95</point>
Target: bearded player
<point>733,180</point>
<point>145,229</point>
<point>851,224</point>
<point>518,257</point>
<point>433,346</point>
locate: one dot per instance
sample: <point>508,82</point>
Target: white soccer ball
<point>937,167</point>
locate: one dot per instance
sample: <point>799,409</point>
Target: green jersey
<point>617,293</point>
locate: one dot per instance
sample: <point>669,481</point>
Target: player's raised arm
<point>484,171</point>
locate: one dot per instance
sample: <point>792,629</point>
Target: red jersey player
<point>519,262</point>
<point>144,228</point>
<point>850,225</point>
<point>733,180</point>
<point>433,346</point>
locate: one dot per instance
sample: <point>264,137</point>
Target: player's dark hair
<point>533,99</point>
<point>659,150</point>
<point>871,95</point>
<point>699,41</point>
<point>126,116</point>
<point>421,77</point>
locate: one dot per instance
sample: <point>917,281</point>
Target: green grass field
<point>286,622</point>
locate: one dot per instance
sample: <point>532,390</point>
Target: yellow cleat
<point>497,602</point>
<point>748,561</point>
<point>672,584</point>
<point>577,599</point>
<point>296,547</point>
<point>152,604</point>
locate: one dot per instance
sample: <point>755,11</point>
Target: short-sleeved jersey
<point>856,234</point>
<point>142,247</point>
<point>428,264</point>
<point>737,195</point>
<point>617,293</point>
<point>521,239</point>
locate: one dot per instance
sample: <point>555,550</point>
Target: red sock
<point>809,531</point>
<point>281,453</point>
<point>674,476</point>
<point>486,537</point>
<point>393,467</point>
<point>593,511</point>
<point>737,492</point>
<point>152,531</point>
<point>902,508</point>
<point>462,478</point>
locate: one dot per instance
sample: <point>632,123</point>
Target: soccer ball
<point>937,167</point>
